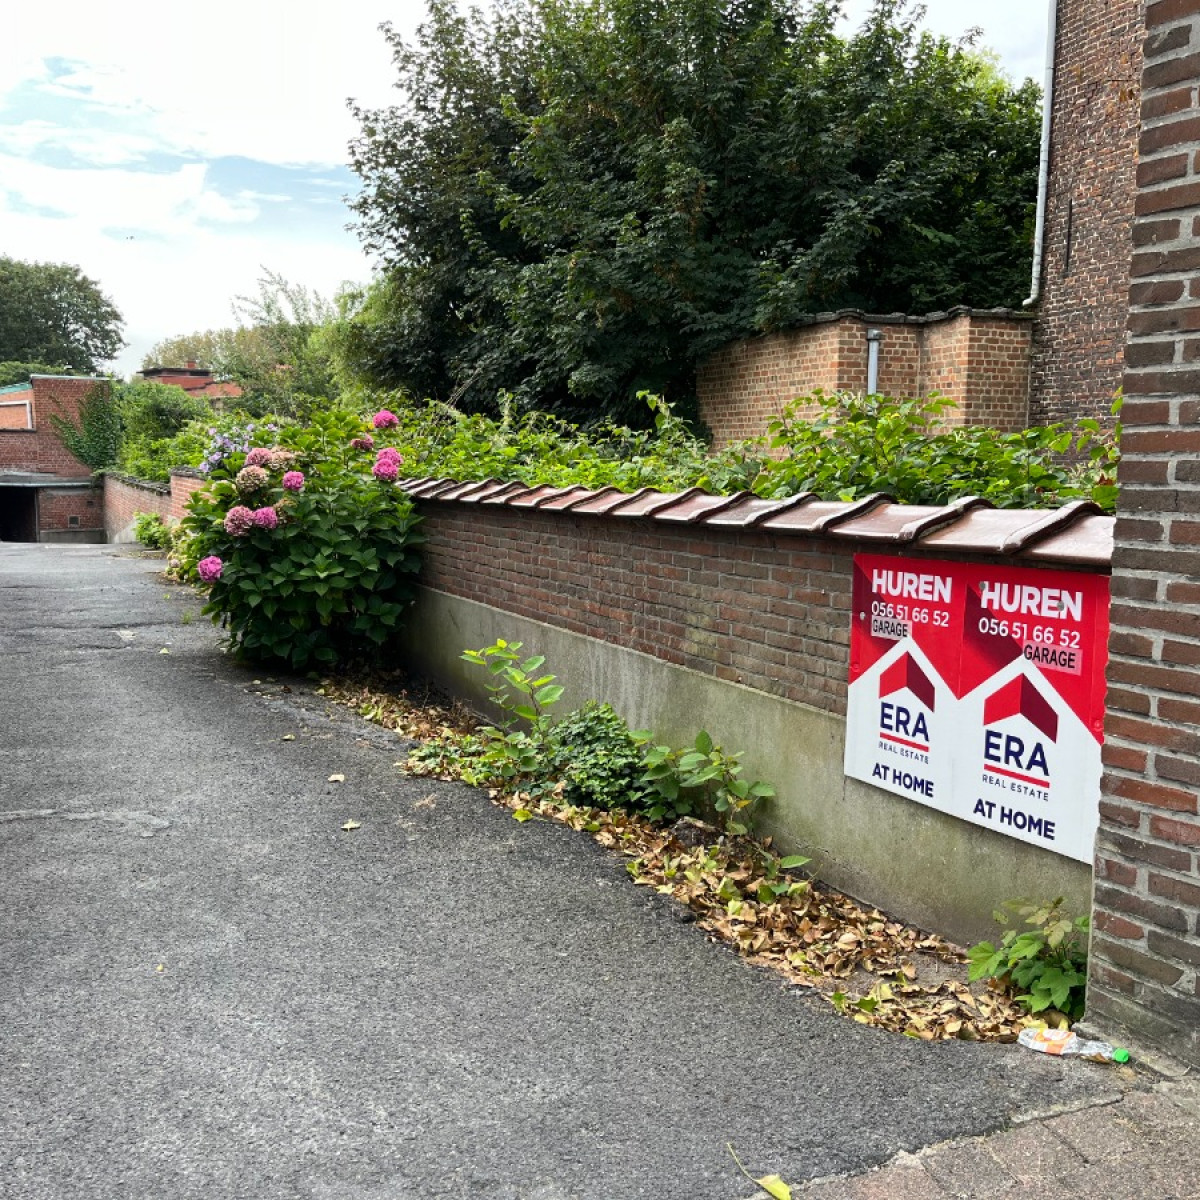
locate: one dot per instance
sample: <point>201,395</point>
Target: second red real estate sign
<point>979,691</point>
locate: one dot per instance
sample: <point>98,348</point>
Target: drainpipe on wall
<point>1039,233</point>
<point>874,339</point>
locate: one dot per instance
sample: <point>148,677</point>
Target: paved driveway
<point>208,990</point>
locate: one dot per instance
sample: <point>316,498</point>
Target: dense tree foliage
<point>578,199</point>
<point>53,313</point>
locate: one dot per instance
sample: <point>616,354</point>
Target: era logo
<point>895,718</point>
<point>1008,753</point>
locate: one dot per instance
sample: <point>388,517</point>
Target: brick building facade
<point>46,494</point>
<point>1079,335</point>
<point>1145,965</point>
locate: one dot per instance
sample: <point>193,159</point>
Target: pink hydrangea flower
<point>239,520</point>
<point>366,442</point>
<point>385,469</point>
<point>388,454</point>
<point>260,456</point>
<point>251,479</point>
<point>293,481</point>
<point>266,518</point>
<point>210,568</point>
<point>282,460</point>
<point>384,419</point>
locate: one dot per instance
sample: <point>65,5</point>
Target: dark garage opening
<point>18,514</point>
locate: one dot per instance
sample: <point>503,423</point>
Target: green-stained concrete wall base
<point>917,864</point>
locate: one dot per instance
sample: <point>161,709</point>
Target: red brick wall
<point>57,507</point>
<point>15,410</point>
<point>182,487</point>
<point>1080,333</point>
<point>768,611</point>
<point>980,361</point>
<point>1145,967</point>
<point>125,498</point>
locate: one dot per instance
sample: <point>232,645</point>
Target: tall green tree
<point>53,313</point>
<point>578,199</point>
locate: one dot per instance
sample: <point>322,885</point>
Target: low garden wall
<point>125,497</point>
<point>734,614</point>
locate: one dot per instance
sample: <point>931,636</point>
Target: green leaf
<point>522,815</point>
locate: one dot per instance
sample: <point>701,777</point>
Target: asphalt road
<point>208,990</point>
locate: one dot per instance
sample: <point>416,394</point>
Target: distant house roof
<point>195,380</point>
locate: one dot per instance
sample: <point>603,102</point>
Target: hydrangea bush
<point>308,553</point>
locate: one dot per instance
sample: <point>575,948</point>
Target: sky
<point>174,151</point>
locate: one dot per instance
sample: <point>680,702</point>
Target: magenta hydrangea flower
<point>385,469</point>
<point>384,419</point>
<point>210,568</point>
<point>260,456</point>
<point>266,518</point>
<point>366,442</point>
<point>239,520</point>
<point>388,454</point>
<point>293,481</point>
<point>251,479</point>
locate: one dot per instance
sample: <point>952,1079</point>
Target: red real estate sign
<point>979,690</point>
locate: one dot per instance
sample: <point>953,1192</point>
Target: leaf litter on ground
<point>873,969</point>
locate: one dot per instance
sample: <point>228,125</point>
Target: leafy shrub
<point>1045,963</point>
<point>856,445</point>
<point>150,530</point>
<point>863,444</point>
<point>310,559</point>
<point>599,760</point>
<point>154,411</point>
<point>590,758</point>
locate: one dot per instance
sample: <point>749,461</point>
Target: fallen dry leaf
<point>350,826</point>
<point>337,779</point>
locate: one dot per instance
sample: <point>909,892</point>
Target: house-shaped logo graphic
<point>1008,754</point>
<point>897,722</point>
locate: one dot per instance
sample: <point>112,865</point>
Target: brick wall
<point>70,513</point>
<point>40,449</point>
<point>124,498</point>
<point>1146,946</point>
<point>15,409</point>
<point>1080,331</point>
<point>979,360</point>
<point>183,483</point>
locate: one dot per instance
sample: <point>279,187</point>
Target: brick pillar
<point>1145,966</point>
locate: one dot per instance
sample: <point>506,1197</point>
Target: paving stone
<point>968,1170</point>
<point>1098,1135</point>
<point>1033,1152</point>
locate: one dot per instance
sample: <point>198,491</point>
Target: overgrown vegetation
<point>578,201</point>
<point>94,438</point>
<point>591,757</point>
<point>308,551</point>
<point>151,531</point>
<point>762,905</point>
<point>1041,959</point>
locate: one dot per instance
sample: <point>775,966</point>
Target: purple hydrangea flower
<point>210,568</point>
<point>385,469</point>
<point>366,442</point>
<point>384,419</point>
<point>266,518</point>
<point>239,520</point>
<point>260,456</point>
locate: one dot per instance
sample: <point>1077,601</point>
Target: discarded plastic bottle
<point>1067,1044</point>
